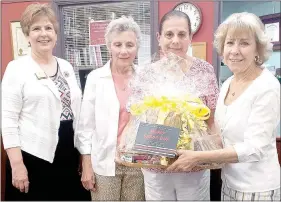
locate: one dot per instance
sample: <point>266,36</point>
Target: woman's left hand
<point>186,162</point>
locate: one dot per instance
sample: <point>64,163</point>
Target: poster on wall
<point>19,42</point>
<point>98,50</point>
<point>97,31</point>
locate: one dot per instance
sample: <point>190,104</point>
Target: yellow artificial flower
<point>192,111</point>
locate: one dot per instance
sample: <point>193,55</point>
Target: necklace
<point>237,90</point>
<point>243,84</point>
<point>122,79</point>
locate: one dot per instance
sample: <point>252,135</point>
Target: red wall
<point>205,33</point>
<point>10,12</point>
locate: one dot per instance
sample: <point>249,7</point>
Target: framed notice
<point>199,50</point>
<point>20,45</point>
<point>97,42</point>
<point>272,28</point>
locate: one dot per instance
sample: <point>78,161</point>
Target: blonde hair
<point>121,25</point>
<point>241,23</point>
<point>37,10</point>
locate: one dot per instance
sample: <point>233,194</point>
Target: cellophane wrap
<point>163,92</point>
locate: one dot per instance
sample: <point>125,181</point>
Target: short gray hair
<point>121,25</point>
<point>245,22</point>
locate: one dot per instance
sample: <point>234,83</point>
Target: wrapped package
<point>166,114</point>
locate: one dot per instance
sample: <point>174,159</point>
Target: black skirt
<point>57,181</point>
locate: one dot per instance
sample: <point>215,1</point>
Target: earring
<point>258,60</point>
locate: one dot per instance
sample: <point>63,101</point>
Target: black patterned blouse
<point>64,91</point>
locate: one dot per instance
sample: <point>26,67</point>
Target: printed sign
<point>97,31</point>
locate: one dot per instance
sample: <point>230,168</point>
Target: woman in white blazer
<point>40,104</point>
<point>104,116</point>
<point>247,114</point>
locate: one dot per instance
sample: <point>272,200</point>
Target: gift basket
<point>166,114</point>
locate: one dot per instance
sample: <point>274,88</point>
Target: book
<point>157,139</point>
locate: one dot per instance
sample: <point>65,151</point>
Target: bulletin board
<point>199,50</point>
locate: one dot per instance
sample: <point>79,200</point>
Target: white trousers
<point>177,186</point>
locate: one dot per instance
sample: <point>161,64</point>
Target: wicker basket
<point>141,165</point>
<point>170,161</point>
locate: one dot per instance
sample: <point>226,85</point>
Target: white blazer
<point>31,108</point>
<point>98,123</point>
<point>249,124</point>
